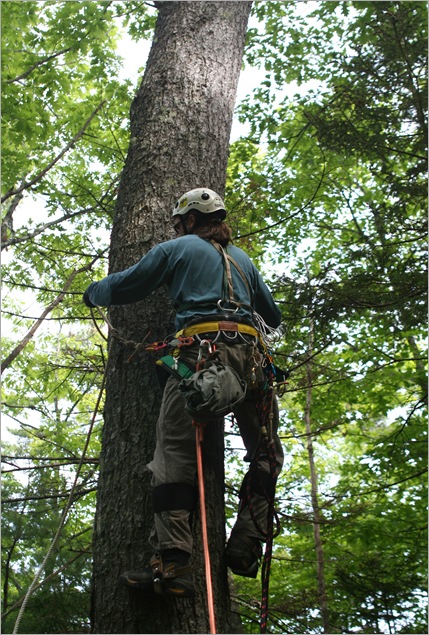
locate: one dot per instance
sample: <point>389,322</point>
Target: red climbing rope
<point>210,602</point>
<point>199,427</point>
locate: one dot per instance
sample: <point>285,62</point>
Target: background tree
<point>327,190</point>
<point>181,119</point>
<point>342,180</point>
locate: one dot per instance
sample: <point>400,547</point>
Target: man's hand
<point>87,301</point>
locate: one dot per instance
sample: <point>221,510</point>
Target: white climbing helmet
<point>202,200</point>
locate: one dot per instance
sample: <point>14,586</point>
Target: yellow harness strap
<point>209,327</point>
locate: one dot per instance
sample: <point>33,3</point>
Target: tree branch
<point>284,220</point>
<point>69,318</point>
<point>45,170</point>
<point>41,228</point>
<point>67,216</point>
<point>77,494</point>
<point>7,221</point>
<point>47,579</point>
<point>17,350</point>
<point>50,466</point>
<point>37,64</point>
<point>41,458</point>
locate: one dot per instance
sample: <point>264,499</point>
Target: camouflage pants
<point>174,460</point>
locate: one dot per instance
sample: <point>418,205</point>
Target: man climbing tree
<point>180,127</point>
<point>220,298</point>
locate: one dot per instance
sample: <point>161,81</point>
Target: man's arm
<point>132,284</point>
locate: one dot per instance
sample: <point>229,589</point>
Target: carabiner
<point>203,344</point>
<point>222,308</point>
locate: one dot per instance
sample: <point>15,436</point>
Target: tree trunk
<point>180,127</point>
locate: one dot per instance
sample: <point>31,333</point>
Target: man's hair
<point>212,227</point>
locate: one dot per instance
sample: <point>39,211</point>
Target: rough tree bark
<point>180,127</point>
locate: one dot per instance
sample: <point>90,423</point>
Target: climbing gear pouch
<point>213,391</point>
<point>170,365</point>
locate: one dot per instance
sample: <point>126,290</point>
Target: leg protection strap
<point>260,483</point>
<point>172,496</point>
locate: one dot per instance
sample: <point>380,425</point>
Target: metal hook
<point>203,344</point>
<point>223,308</point>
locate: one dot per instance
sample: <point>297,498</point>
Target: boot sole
<point>251,572</point>
<point>176,588</point>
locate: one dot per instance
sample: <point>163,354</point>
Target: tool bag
<point>213,391</point>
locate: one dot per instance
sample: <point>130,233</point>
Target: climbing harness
<point>227,327</point>
<point>264,405</point>
<point>228,288</point>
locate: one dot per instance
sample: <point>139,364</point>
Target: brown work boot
<point>243,554</point>
<point>168,573</point>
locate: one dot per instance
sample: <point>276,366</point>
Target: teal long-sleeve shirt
<point>193,271</point>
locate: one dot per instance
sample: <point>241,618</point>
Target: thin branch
<point>63,318</point>
<point>389,485</point>
<point>45,170</point>
<point>42,458</point>
<point>50,466</point>
<point>7,221</point>
<point>72,497</point>
<point>41,228</point>
<point>37,64</point>
<point>77,494</point>
<point>284,220</point>
<point>17,350</point>
<point>47,579</point>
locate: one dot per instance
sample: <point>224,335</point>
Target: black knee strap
<point>260,483</point>
<point>174,496</point>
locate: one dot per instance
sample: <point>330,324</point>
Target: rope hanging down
<point>199,427</point>
<point>264,406</point>
<point>210,601</point>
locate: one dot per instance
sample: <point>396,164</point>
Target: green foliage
<point>64,141</point>
<point>327,193</point>
<point>51,397</point>
<point>52,80</point>
<point>337,178</point>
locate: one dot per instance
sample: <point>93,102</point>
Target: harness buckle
<point>157,573</point>
<point>222,308</point>
<point>185,341</point>
<point>156,346</point>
